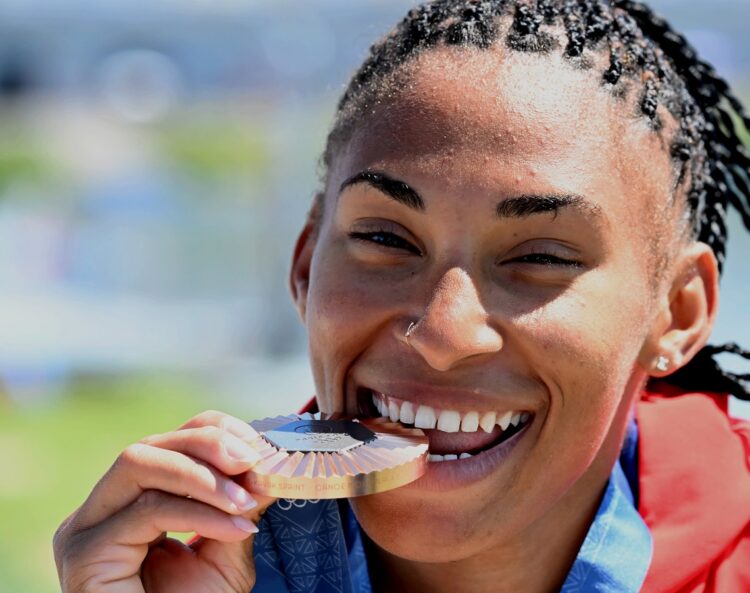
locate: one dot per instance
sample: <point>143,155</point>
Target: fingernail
<point>239,428</point>
<point>245,524</point>
<point>240,497</point>
<point>240,450</point>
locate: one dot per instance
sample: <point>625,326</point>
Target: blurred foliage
<point>21,160</point>
<point>52,455</point>
<point>215,147</point>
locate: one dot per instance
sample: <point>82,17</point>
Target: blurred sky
<point>156,161</point>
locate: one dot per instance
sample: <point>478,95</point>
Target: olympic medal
<point>312,456</point>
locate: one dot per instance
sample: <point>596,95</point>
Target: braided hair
<point>642,51</point>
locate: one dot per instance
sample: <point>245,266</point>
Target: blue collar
<point>617,550</point>
<point>316,546</point>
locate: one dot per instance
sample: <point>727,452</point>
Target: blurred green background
<point>156,161</point>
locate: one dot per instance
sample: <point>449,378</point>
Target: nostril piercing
<point>409,331</point>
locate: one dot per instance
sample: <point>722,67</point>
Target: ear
<point>299,274</point>
<point>686,319</point>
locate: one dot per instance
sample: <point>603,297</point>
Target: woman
<point>522,216</point>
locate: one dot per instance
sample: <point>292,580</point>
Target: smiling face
<point>506,206</point>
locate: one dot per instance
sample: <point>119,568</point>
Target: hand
<point>178,481</point>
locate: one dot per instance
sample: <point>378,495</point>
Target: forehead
<point>470,117</point>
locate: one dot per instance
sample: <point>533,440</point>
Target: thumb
<point>234,560</point>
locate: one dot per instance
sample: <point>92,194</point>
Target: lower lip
<point>459,473</point>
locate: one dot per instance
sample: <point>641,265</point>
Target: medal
<point>312,456</point>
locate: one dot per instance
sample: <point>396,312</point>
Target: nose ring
<point>409,331</point>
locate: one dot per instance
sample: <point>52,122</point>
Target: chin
<point>420,530</point>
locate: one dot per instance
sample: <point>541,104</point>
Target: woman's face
<point>526,256</point>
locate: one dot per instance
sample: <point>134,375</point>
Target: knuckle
<point>206,417</point>
<point>59,539</point>
<point>148,501</point>
<point>211,432</point>
<point>132,456</point>
<point>70,544</point>
<point>70,554</point>
<point>149,439</point>
<point>213,438</point>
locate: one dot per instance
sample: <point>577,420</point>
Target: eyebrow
<point>527,205</point>
<point>393,188</point>
<point>515,207</point>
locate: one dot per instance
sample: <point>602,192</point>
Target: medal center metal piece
<point>327,436</point>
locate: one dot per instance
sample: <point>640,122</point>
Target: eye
<point>542,255</point>
<point>546,259</point>
<point>384,238</point>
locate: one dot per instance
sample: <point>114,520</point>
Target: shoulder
<point>694,482</point>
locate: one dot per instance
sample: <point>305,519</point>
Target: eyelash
<point>393,241</point>
<point>547,259</point>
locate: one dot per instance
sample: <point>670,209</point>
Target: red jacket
<point>694,474</point>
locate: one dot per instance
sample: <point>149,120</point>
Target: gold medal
<point>313,456</point>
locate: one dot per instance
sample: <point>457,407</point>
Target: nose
<point>455,324</point>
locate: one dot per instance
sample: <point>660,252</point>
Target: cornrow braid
<point>645,53</point>
<point>704,374</point>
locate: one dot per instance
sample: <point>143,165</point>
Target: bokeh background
<point>156,160</point>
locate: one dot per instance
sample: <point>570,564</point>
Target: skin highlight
<point>571,343</point>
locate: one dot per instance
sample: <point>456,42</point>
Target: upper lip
<point>445,397</point>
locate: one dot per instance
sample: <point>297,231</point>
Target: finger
<point>113,551</point>
<point>234,559</point>
<point>142,467</point>
<point>215,446</point>
<point>154,513</point>
<point>231,424</point>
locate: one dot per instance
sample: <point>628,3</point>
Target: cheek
<point>343,299</point>
<point>346,308</point>
<point>586,348</point>
<point>582,350</point>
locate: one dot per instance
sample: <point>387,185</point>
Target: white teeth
<point>504,420</point>
<point>393,411</point>
<point>425,417</point>
<point>407,413</point>
<point>449,421</point>
<point>449,457</point>
<point>446,420</point>
<point>487,421</point>
<point>470,422</point>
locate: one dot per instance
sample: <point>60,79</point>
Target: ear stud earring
<point>662,364</point>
